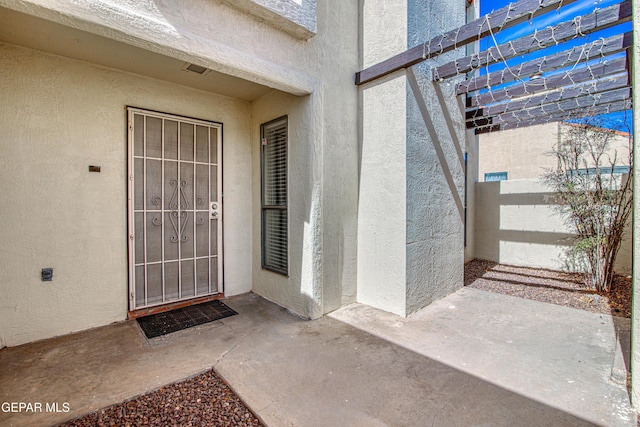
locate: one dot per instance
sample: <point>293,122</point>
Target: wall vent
<point>195,68</point>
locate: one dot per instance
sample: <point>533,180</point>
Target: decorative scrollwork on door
<point>175,176</point>
<point>178,217</point>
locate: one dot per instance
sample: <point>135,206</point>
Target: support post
<point>635,314</point>
<point>411,199</point>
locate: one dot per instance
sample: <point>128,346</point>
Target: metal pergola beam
<point>596,21</point>
<point>589,79</point>
<point>583,103</point>
<point>505,17</point>
<point>591,87</point>
<point>578,54</point>
<point>601,109</point>
<point>605,68</point>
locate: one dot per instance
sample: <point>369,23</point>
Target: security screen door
<point>175,208</point>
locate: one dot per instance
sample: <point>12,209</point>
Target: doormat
<point>183,318</point>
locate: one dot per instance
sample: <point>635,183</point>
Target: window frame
<point>279,207</point>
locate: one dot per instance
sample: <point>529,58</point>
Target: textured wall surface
<point>382,223</point>
<point>297,17</point>
<point>321,102</point>
<point>209,33</point>
<point>435,193</point>
<point>514,152</point>
<point>382,205</point>
<point>526,153</point>
<point>411,217</point>
<point>323,191</point>
<point>301,291</point>
<point>515,224</point>
<point>59,117</point>
<point>435,164</point>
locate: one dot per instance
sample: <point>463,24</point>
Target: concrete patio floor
<point>472,359</point>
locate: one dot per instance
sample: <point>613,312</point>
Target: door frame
<point>166,306</point>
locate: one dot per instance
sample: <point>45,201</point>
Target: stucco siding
<point>382,202</point>
<point>323,173</point>
<point>527,153</point>
<point>300,291</point>
<point>212,34</point>
<point>411,215</point>
<point>59,117</point>
<point>381,263</point>
<point>296,17</point>
<point>516,223</point>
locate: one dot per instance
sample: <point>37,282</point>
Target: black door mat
<point>183,318</point>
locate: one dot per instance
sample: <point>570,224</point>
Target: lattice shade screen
<point>274,137</point>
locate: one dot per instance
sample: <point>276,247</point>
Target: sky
<point>620,121</point>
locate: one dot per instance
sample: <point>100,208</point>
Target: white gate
<point>175,208</point>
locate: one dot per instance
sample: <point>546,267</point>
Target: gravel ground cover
<point>203,400</point>
<point>555,287</point>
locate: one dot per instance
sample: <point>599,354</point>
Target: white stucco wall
<point>382,222</point>
<point>410,231</point>
<point>296,17</point>
<point>323,178</point>
<point>322,104</point>
<point>435,164</point>
<point>516,224</point>
<point>301,290</point>
<point>527,153</point>
<point>208,33</point>
<point>382,200</point>
<point>60,116</point>
<point>435,190</point>
<point>523,153</point>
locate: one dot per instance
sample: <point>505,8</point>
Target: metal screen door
<point>175,208</point>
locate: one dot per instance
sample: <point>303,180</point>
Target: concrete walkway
<point>471,359</point>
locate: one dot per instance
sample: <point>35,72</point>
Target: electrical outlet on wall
<point>47,274</point>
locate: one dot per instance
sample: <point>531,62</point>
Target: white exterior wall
<point>296,17</point>
<point>301,291</point>
<point>323,178</point>
<point>209,33</point>
<point>523,153</point>
<point>435,164</point>
<point>321,102</point>
<point>516,224</point>
<point>382,222</point>
<point>60,116</point>
<point>382,203</point>
<point>410,219</point>
<point>527,153</point>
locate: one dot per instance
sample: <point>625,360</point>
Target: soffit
<point>28,31</point>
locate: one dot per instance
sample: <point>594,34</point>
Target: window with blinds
<point>275,253</point>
